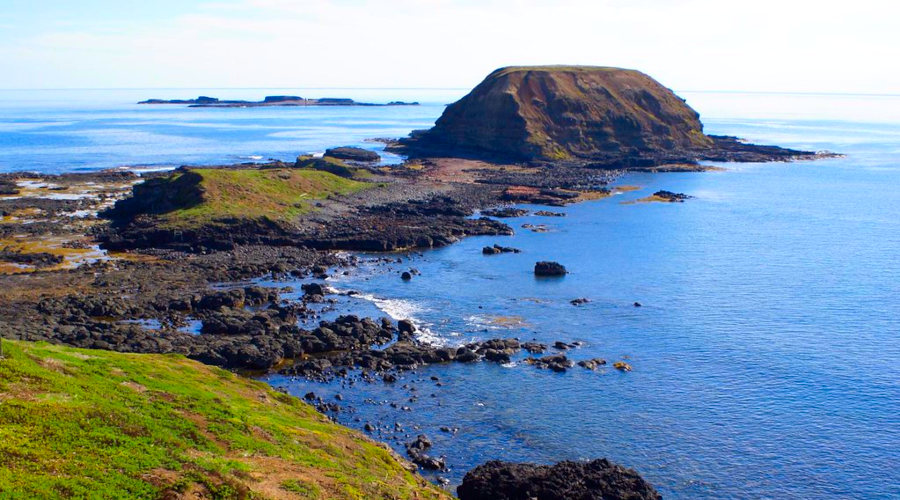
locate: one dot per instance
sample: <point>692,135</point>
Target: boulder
<point>406,330</point>
<point>556,362</point>
<point>547,268</point>
<point>595,480</point>
<point>622,366</point>
<point>310,289</point>
<point>592,364</point>
<point>353,154</point>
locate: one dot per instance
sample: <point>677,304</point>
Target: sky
<point>689,45</point>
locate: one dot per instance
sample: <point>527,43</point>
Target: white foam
<point>399,309</point>
<point>32,184</point>
<point>80,214</point>
<point>66,196</point>
<point>480,322</point>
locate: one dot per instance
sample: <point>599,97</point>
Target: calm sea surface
<point>766,355</point>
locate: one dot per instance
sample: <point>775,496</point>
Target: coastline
<point>180,322</point>
<point>229,316</point>
<point>204,236</point>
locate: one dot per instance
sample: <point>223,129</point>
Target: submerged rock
<point>622,366</point>
<point>556,362</point>
<point>671,197</point>
<point>496,249</point>
<point>595,480</point>
<point>592,364</point>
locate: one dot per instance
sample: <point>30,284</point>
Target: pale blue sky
<point>763,45</point>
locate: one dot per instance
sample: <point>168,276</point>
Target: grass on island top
<point>78,423</point>
<point>279,194</point>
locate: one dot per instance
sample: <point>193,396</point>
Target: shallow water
<point>766,354</point>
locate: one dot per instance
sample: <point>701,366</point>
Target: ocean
<point>766,353</point>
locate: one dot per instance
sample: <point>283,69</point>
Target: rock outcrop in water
<point>598,479</point>
<point>271,100</point>
<point>610,116</point>
<point>546,268</point>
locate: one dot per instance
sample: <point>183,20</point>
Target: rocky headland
<point>596,117</point>
<point>165,263</point>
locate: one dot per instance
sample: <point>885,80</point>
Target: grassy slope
<point>95,424</point>
<point>278,194</point>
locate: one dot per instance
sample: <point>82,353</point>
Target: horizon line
<point>703,91</point>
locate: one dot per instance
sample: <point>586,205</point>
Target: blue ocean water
<point>55,131</point>
<point>766,355</point>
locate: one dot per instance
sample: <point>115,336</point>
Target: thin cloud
<point>696,44</point>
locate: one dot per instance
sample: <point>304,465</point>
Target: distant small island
<point>271,100</point>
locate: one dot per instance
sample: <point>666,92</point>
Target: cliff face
<point>566,112</point>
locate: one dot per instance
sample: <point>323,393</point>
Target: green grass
<point>277,194</point>
<point>80,423</point>
<point>333,165</point>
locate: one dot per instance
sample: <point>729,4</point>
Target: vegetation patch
<point>198,196</point>
<point>334,166</point>
<point>95,424</point>
<point>23,254</point>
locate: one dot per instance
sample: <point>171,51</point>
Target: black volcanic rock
<point>546,268</point>
<point>352,154</point>
<point>595,480</point>
<point>672,197</point>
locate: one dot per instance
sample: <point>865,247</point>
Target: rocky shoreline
<point>194,294</point>
<point>170,263</point>
<point>158,290</point>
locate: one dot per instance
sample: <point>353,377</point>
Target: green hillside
<point>78,423</point>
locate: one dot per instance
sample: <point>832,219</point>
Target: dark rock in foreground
<point>599,479</point>
<point>545,268</point>
<point>353,154</point>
